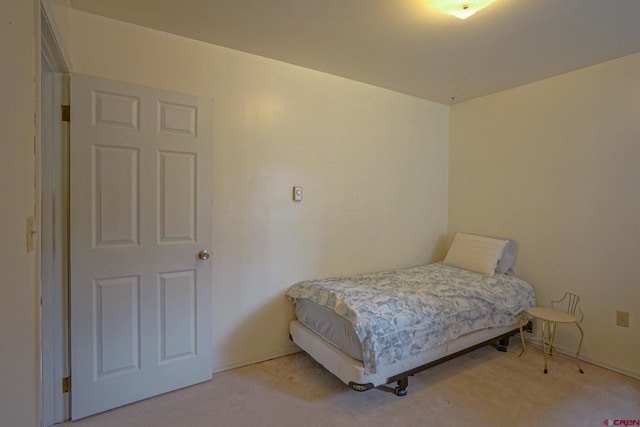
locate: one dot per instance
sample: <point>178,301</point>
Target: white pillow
<point>475,253</point>
<point>508,257</point>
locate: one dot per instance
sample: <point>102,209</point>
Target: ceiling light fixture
<point>459,8</point>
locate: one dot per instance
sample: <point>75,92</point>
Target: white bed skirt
<point>350,370</point>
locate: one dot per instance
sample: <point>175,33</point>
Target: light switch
<point>297,193</point>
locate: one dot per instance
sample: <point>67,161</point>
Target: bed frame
<point>351,371</point>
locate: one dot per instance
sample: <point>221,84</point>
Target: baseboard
<point>572,353</point>
<point>295,349</point>
<point>262,358</point>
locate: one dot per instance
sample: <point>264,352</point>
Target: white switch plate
<point>297,193</point>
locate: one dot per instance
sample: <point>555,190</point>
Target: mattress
<point>382,319</point>
<point>334,328</point>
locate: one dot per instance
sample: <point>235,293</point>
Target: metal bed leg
<point>403,383</point>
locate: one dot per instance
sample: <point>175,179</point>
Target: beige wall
<point>373,164</point>
<point>19,346</point>
<point>556,165</point>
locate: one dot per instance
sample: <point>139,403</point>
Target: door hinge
<point>66,113</point>
<point>66,384</point>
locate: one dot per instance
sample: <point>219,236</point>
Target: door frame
<point>52,219</point>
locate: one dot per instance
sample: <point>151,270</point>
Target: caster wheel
<point>401,391</point>
<point>545,371</point>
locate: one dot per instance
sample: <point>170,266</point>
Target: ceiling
<point>403,45</point>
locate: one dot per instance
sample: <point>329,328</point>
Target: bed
<point>380,328</point>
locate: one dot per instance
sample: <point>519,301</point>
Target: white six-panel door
<point>140,216</point>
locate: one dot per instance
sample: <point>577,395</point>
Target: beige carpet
<point>483,388</point>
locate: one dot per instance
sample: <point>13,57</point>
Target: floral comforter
<point>400,313</point>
